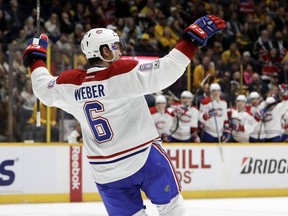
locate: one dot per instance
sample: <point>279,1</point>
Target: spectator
<point>280,44</point>
<point>262,46</point>
<point>248,74</point>
<point>144,47</point>
<point>248,60</point>
<point>53,27</point>
<point>231,55</point>
<point>27,100</point>
<point>66,25</point>
<point>164,33</point>
<point>203,71</point>
<point>281,19</point>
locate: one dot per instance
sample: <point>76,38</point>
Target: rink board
<point>61,173</point>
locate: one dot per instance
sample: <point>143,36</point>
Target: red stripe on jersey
<point>159,148</point>
<point>78,76</point>
<point>119,153</point>
<point>187,48</point>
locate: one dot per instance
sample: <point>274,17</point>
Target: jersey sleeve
<point>153,76</point>
<point>45,87</point>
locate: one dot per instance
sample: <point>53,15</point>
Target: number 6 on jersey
<point>99,125</point>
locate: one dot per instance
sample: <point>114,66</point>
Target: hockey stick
<point>219,139</point>
<point>38,123</point>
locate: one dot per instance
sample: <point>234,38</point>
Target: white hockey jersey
<point>260,125</point>
<point>246,121</point>
<point>220,107</point>
<point>162,120</point>
<point>272,120</point>
<point>285,123</point>
<point>186,121</point>
<point>116,123</point>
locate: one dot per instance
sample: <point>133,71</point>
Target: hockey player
<point>272,114</point>
<point>185,128</point>
<point>284,120</point>
<point>243,122</point>
<point>213,114</point>
<point>119,135</point>
<point>163,120</point>
<point>258,134</point>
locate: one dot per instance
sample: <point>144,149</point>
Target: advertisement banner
<point>75,173</point>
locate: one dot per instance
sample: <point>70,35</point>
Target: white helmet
<point>186,94</point>
<point>270,100</point>
<point>96,37</point>
<point>254,95</point>
<point>241,98</point>
<point>215,86</point>
<point>160,99</point>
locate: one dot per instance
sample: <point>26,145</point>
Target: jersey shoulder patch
<point>75,76</point>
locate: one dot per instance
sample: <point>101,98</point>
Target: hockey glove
<point>36,49</point>
<point>209,114</point>
<point>204,28</point>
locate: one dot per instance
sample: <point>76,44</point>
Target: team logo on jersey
<point>51,84</point>
<point>146,67</point>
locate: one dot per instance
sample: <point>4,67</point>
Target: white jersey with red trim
<point>162,120</point>
<point>109,103</point>
<point>272,120</point>
<point>220,107</point>
<point>187,121</point>
<point>260,125</point>
<point>243,124</point>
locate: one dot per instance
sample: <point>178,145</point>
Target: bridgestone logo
<point>264,166</point>
<point>75,173</point>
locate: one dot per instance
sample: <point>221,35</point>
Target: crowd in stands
<point>249,56</point>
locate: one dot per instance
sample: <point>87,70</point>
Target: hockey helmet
<point>241,98</point>
<point>160,99</point>
<point>270,100</point>
<point>186,94</point>
<point>254,95</point>
<point>215,86</point>
<point>97,37</point>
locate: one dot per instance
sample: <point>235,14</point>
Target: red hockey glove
<point>36,49</point>
<point>204,28</point>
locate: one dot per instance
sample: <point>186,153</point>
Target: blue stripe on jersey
<point>119,159</point>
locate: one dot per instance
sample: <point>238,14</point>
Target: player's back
<point>112,122</point>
